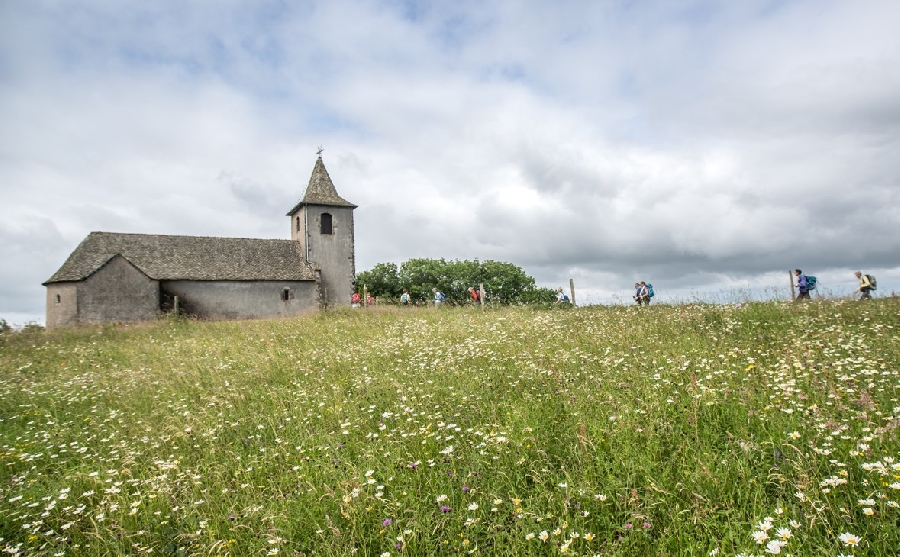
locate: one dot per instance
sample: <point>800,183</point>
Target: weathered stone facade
<point>330,250</point>
<point>117,291</point>
<point>62,304</point>
<point>244,299</point>
<point>323,224</point>
<point>112,277</point>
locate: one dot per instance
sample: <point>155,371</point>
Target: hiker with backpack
<point>866,285</point>
<point>438,297</point>
<point>803,285</point>
<point>404,298</point>
<point>637,293</point>
<point>561,297</point>
<point>646,292</point>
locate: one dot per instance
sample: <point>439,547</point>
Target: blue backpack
<point>650,290</point>
<point>443,297</point>
<point>811,282</point>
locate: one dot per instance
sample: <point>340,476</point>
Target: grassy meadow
<point>758,429</point>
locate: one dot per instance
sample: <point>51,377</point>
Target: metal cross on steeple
<point>319,152</point>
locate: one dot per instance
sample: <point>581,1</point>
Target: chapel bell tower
<point>323,224</point>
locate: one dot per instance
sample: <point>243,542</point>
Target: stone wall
<point>62,304</point>
<point>243,299</point>
<point>117,292</point>
<point>332,253</point>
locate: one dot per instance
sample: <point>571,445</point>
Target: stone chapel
<point>118,277</point>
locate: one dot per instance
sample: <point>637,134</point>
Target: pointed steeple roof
<point>320,190</point>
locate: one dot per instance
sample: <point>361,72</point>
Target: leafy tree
<point>380,281</point>
<point>504,283</point>
<point>419,276</point>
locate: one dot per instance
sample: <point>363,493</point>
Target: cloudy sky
<point>706,146</point>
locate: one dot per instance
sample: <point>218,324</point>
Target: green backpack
<point>872,281</point>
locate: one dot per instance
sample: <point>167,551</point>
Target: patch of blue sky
<point>410,10</point>
<point>773,8</point>
<point>700,14</point>
<point>140,58</point>
<point>628,85</point>
<point>510,72</point>
<point>267,13</point>
<point>213,56</point>
<point>219,58</point>
<point>456,31</point>
<point>264,50</point>
<point>326,122</point>
<point>6,70</point>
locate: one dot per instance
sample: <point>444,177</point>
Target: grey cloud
<point>255,198</point>
<point>31,250</point>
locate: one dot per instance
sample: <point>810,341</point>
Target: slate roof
<point>189,258</point>
<point>320,190</point>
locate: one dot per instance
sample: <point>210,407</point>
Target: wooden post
<point>572,289</point>
<point>481,294</point>
<point>791,279</point>
<point>175,305</point>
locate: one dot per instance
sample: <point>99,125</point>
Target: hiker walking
<point>645,293</point>
<point>637,293</point>
<point>561,296</point>
<point>438,297</point>
<point>404,298</point>
<point>866,285</point>
<point>802,285</point>
<point>476,295</point>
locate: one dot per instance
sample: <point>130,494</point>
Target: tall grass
<point>668,430</point>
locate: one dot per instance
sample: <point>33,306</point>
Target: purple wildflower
<point>445,509</point>
<point>387,522</point>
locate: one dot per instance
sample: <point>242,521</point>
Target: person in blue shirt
<point>645,293</point>
<point>637,293</point>
<point>438,297</point>
<point>641,293</point>
<point>802,285</point>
